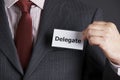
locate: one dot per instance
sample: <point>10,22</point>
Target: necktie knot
<point>24,5</point>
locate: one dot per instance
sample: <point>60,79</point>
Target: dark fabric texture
<point>50,63</point>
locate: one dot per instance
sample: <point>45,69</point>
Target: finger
<point>100,22</point>
<point>92,32</point>
<point>106,25</point>
<point>97,26</point>
<point>84,34</point>
<point>101,27</point>
<point>96,41</point>
<point>97,33</point>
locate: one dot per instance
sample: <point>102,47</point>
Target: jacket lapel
<point>6,42</point>
<point>46,27</point>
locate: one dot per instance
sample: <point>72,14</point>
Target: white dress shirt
<point>115,67</point>
<point>14,14</point>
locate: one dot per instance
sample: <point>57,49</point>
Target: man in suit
<point>46,62</point>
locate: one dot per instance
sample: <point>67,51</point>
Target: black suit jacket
<point>48,63</point>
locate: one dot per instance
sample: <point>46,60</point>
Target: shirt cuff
<point>115,67</point>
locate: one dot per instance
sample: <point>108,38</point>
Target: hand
<point>106,36</point>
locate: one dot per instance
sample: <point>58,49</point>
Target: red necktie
<point>23,36</point>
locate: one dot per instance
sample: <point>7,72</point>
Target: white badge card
<point>67,39</point>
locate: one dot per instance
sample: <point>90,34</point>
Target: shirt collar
<point>39,3</point>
